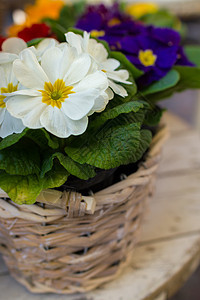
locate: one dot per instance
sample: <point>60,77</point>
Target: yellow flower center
<point>147,58</point>
<point>55,94</point>
<point>97,34</point>
<point>113,22</point>
<point>10,88</point>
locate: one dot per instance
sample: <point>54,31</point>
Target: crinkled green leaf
<point>11,139</point>
<point>108,148</point>
<point>22,158</point>
<point>56,177</point>
<point>168,81</point>
<point>40,136</point>
<point>43,138</point>
<point>153,116</point>
<point>21,189</point>
<point>145,140</point>
<point>124,108</point>
<point>82,171</point>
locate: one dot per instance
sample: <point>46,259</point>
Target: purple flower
<point>182,58</point>
<point>153,50</point>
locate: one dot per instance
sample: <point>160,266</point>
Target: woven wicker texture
<point>49,250</point>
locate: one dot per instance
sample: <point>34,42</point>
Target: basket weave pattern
<point>48,250</point>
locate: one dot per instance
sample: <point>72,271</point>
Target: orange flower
<point>35,13</point>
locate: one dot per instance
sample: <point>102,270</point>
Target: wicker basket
<point>52,249</point>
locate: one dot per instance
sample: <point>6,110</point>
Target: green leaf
<point>21,189</point>
<point>162,18</point>
<point>189,77</point>
<point>153,116</point>
<point>124,108</point>
<point>193,53</point>
<point>12,139</point>
<point>83,171</point>
<point>56,28</point>
<point>22,158</point>
<point>42,138</point>
<point>170,80</point>
<point>111,147</point>
<point>56,177</point>
<point>145,140</point>
<point>34,42</point>
<point>136,73</point>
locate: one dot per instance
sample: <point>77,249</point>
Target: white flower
<point>12,47</point>
<point>44,45</point>
<point>100,55</point>
<point>8,84</point>
<point>59,92</point>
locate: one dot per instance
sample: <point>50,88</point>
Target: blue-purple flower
<point>153,50</point>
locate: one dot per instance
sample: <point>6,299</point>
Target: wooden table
<point>169,250</point>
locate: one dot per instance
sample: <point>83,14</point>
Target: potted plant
<point>80,142</point>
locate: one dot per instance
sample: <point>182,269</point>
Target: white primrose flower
<point>100,55</point>
<point>59,92</point>
<point>8,84</point>
<point>12,47</point>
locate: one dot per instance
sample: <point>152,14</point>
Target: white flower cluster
<point>56,86</point>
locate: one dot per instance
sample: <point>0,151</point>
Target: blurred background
<point>186,105</point>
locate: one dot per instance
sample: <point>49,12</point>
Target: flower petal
<point>97,80</point>
<point>75,40</point>
<point>50,62</point>
<point>10,125</point>
<point>2,114</point>
<point>28,71</point>
<point>14,45</point>
<point>78,69</point>
<point>110,64</point>
<point>118,89</point>
<point>119,76</point>
<point>79,104</point>
<point>97,50</point>
<point>27,108</point>
<point>60,125</point>
<point>7,57</point>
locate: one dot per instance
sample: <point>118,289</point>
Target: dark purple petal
<point>165,35</point>
<point>92,18</point>
<point>182,58</point>
<point>151,76</point>
<point>166,57</point>
<point>130,37</point>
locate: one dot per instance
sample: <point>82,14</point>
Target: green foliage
<point>12,139</point>
<point>81,171</point>
<point>21,159</point>
<point>164,18</point>
<point>153,116</point>
<point>168,81</point>
<point>124,108</point>
<point>189,79</point>
<point>34,42</point>
<point>21,189</point>
<point>193,53</point>
<point>116,143</point>
<point>136,73</point>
